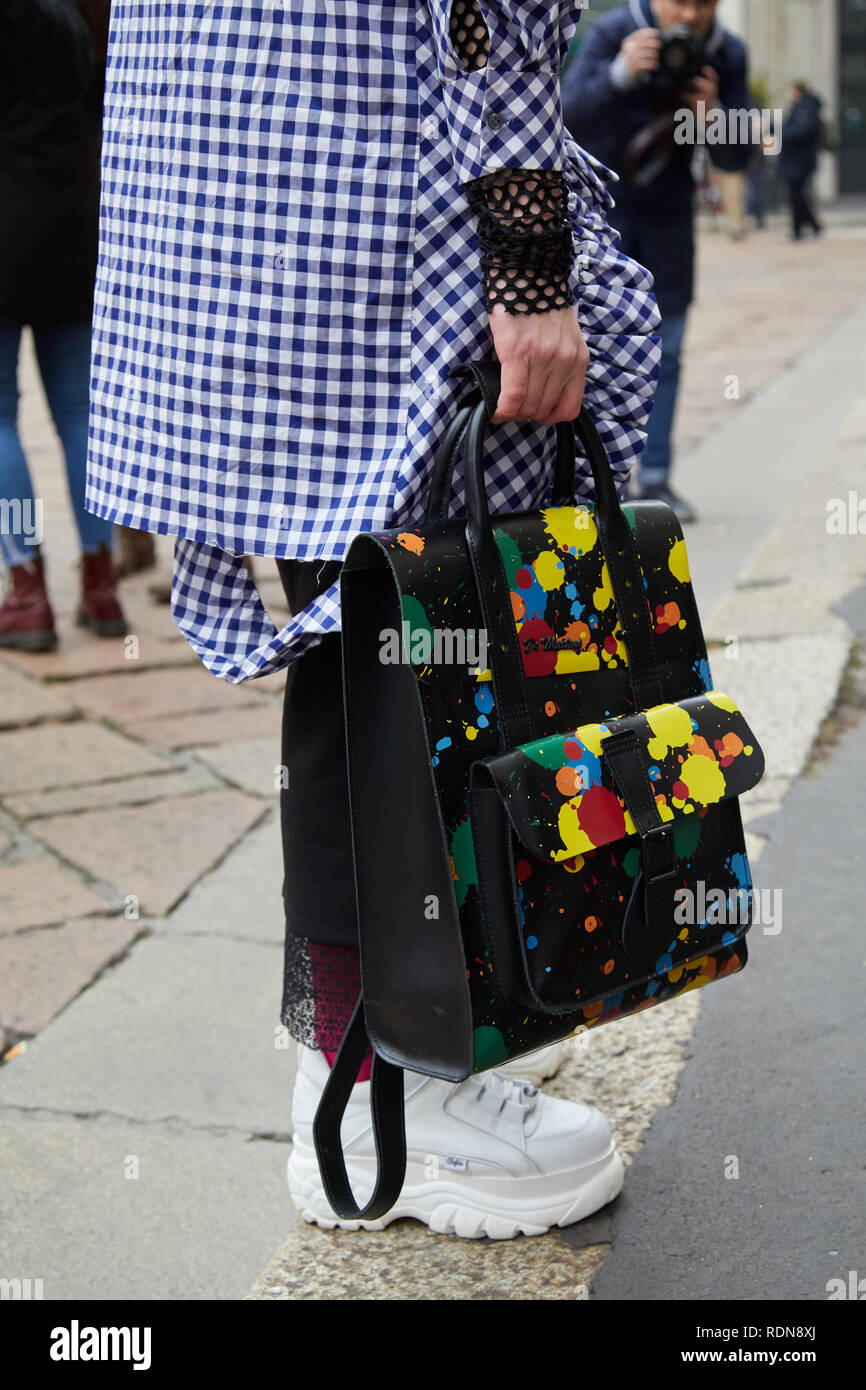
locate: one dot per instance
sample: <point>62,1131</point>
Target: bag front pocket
<point>614,855</point>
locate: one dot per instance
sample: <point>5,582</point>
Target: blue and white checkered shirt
<point>289,267</point>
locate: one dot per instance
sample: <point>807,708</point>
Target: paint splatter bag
<point>544,786</point>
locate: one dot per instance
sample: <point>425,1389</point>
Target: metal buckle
<point>658,866</point>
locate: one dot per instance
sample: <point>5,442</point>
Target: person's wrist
<point>621,75</point>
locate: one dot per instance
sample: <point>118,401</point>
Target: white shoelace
<point>519,1092</point>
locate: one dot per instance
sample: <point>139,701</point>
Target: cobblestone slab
<point>130,791</point>
<point>63,755</point>
<point>24,701</point>
<point>119,1210</point>
<point>82,654</point>
<point>222,726</point>
<point>250,763</point>
<point>154,852</point>
<point>142,694</point>
<point>184,1029</point>
<point>39,892</point>
<point>42,971</point>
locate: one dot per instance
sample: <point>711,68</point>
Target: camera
<point>681,59</point>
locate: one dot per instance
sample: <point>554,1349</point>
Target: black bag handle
<point>488,375</point>
<point>389,1126</point>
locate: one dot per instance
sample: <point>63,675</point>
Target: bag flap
<point>563,800</point>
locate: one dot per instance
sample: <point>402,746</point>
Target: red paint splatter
<point>537,662</point>
<point>600,816</point>
<point>680,791</point>
<point>523,869</point>
<point>524,578</point>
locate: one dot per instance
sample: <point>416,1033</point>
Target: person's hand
<point>544,360</point>
<point>641,50</point>
<point>704,88</point>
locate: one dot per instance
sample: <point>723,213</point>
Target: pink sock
<point>336,981</point>
<point>366,1065</point>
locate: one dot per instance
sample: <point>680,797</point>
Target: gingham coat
<point>289,267</point>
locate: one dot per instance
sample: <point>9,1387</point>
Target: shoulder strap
<point>389,1127</point>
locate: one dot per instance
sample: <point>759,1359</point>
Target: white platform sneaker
<point>537,1067</point>
<point>490,1156</point>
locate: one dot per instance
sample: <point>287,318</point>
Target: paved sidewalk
<point>145,1091</point>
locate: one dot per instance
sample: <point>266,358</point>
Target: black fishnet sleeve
<point>524,230</point>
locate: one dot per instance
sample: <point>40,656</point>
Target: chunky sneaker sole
<point>488,1156</point>
<point>499,1208</point>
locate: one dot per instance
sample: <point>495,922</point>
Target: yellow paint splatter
<point>549,570</point>
<point>471,732</point>
<point>678,562</point>
<point>723,701</point>
<point>568,662</point>
<point>603,596</point>
<point>672,728</point>
<point>571,526</point>
<point>704,779</point>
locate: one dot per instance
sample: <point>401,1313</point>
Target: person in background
<point>620,103</point>
<point>798,157</point>
<point>51,77</point>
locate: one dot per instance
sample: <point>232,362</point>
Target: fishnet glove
<point>524,231</point>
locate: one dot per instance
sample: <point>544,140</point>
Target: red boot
<point>100,608</point>
<point>26,620</point>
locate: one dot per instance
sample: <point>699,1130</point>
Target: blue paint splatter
<point>531,943</point>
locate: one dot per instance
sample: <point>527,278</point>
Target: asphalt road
<point>752,1185</point>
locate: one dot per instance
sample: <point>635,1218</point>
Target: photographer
<point>643,64</point>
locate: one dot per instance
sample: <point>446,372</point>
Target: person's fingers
<point>514,377</point>
<point>567,405</point>
<point>556,384</point>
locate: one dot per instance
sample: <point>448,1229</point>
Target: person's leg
<point>322,977</point>
<point>26,619</point>
<point>17,503</point>
<point>655,464</point>
<point>63,352</point>
<point>797,213</point>
<point>809,217</point>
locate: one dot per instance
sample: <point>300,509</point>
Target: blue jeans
<point>63,354</point>
<point>655,464</point>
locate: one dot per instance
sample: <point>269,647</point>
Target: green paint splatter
<point>490,1048</point>
<point>549,753</point>
<point>631,860</point>
<point>629,514</point>
<point>463,855</point>
<point>512,560</point>
<point>415,615</point>
<point>687,833</point>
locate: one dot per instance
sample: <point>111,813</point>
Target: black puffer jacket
<point>801,138</point>
<point>50,117</point>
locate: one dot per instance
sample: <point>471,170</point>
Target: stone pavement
<point>145,1090</point>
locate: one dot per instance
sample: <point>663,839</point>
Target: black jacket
<point>801,138</point>
<point>656,222</point>
<point>50,119</point>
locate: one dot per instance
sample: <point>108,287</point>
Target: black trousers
<point>801,207</point>
<point>319,878</point>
